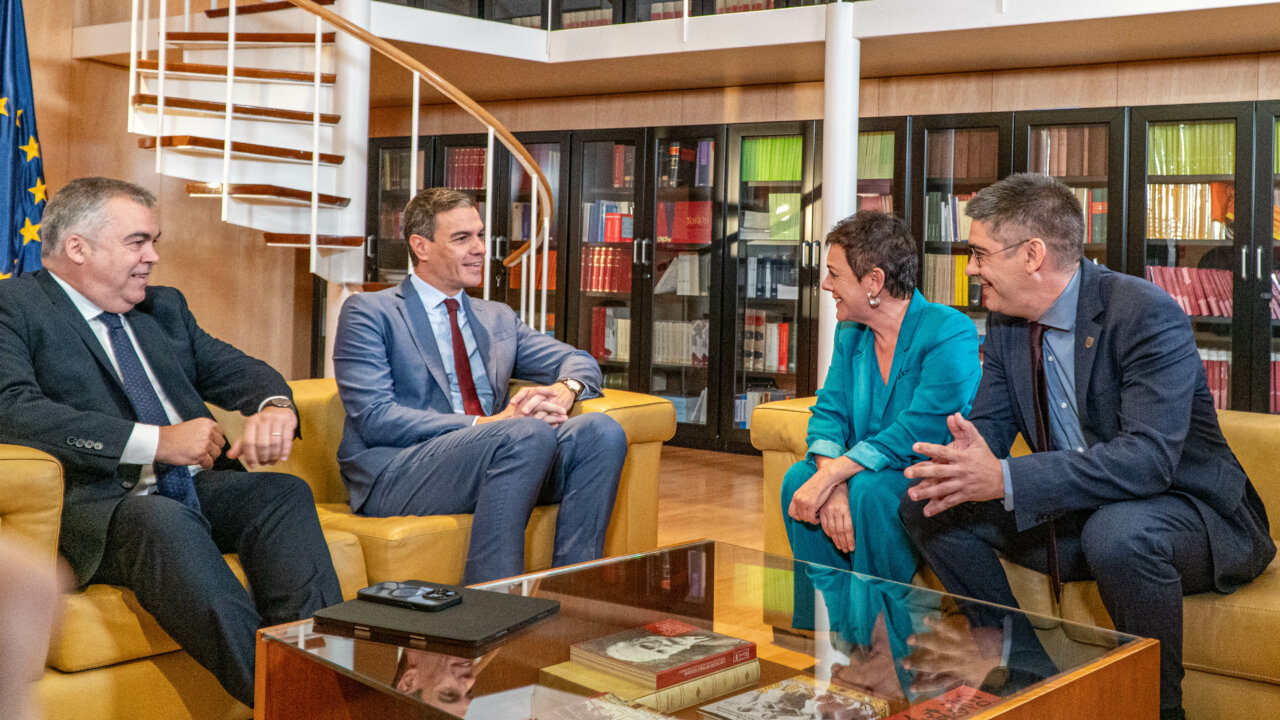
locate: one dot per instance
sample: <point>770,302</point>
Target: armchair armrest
<point>778,430</point>
<point>31,500</point>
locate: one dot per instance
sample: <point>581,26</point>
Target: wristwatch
<point>279,402</point>
<point>575,385</point>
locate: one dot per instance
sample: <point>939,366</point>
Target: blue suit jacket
<point>393,383</point>
<point>934,373</point>
<point>60,393</point>
<point>1146,414</point>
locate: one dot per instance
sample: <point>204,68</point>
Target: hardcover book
<point>956,703</point>
<point>583,680</point>
<point>662,654</point>
<point>800,697</point>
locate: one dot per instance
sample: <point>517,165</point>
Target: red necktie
<point>462,364</point>
<point>1044,442</point>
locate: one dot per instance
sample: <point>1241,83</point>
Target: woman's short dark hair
<point>1027,205</point>
<point>873,239</point>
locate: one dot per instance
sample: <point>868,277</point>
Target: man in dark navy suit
<point>1130,483</point>
<point>111,376</point>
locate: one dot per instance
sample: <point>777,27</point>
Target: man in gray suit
<point>422,371</point>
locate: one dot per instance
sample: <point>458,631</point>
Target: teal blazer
<point>935,373</point>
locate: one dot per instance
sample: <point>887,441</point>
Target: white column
<point>839,154</point>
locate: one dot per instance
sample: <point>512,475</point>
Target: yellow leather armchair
<point>435,547</point>
<point>1230,654</point>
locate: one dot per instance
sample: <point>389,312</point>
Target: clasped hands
<point>964,470</point>
<point>267,439</point>
<point>548,403</point>
<point>824,500</point>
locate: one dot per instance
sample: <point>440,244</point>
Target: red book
<point>619,162</point>
<point>612,227</point>
<point>685,653</point>
<point>956,703</point>
<point>784,342</point>
<point>597,332</point>
<point>692,222</point>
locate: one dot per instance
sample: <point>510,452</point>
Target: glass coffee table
<point>828,644</point>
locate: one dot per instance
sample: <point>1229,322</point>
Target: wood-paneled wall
<point>1189,80</point>
<point>255,297</point>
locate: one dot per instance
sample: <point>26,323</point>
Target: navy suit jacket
<point>393,383</point>
<point>1147,416</point>
<point>59,393</point>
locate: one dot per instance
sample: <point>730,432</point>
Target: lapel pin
<point>1088,342</point>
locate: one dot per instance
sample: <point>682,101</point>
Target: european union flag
<point>22,190</point>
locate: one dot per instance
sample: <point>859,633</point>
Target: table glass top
<point>829,644</point>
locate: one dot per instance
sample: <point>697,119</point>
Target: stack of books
<point>666,665</point>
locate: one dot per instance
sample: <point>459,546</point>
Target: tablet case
<point>483,620</point>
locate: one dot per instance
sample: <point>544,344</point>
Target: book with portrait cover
<point>800,697</point>
<point>583,680</point>
<point>663,653</point>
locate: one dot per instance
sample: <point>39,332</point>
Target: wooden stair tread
<point>345,241</point>
<point>242,73</point>
<point>243,148</point>
<point>249,38</point>
<point>217,108</point>
<point>268,191</point>
<point>259,8</point>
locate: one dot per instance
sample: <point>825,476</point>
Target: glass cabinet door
<point>1267,254</point>
<point>605,209</point>
<point>389,158</point>
<point>1186,228</point>
<point>519,231</point>
<point>460,165</point>
<point>768,191</point>
<point>686,236</point>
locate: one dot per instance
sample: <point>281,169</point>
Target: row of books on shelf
<point>611,333</point>
<point>871,201</point>
<point>666,10</point>
<point>771,277</point>
<point>687,273</point>
<point>689,408</point>
<point>464,168</point>
<point>547,157</point>
<point>1093,203</point>
<point>529,21</point>
<point>624,166</point>
<point>736,6</point>
<point>943,281</point>
<point>767,343</point>
<point>1217,370</point>
<point>745,402</point>
<point>777,158</point>
<point>515,275</point>
<point>1191,148</point>
<point>608,221</point>
<point>687,163</point>
<point>963,154</point>
<point>782,222</point>
<point>1070,151</point>
<point>1189,211</point>
<point>681,342</point>
<point>586,18</point>
<point>606,269</point>
<point>944,217</point>
<point>1198,291</point>
<point>875,155</point>
<point>395,169</point>
<point>683,222</point>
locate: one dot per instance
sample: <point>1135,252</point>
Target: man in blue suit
<point>423,369</point>
<point>110,375</point>
<point>1131,483</point>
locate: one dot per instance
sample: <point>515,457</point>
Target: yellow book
<point>580,679</point>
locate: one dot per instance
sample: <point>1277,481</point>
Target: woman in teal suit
<point>900,366</point>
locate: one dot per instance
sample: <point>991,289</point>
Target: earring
<point>873,300</point>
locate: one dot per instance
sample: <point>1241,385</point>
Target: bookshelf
<point>388,259</point>
<point>1085,150</point>
<point>882,165</point>
<point>1190,218</point>
<point>953,157</point>
<point>551,151</point>
<point>770,194</point>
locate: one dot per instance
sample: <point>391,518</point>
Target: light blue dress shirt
<point>433,303</point>
<point>1059,347</point>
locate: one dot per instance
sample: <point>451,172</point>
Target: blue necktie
<point>172,481</point>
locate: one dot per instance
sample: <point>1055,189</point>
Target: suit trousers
<point>1145,555</point>
<point>171,557</point>
<point>499,471</point>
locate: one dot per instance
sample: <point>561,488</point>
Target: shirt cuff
<point>267,400</point>
<point>1008,485</point>
<point>866,455</point>
<point>143,443</point>
<point>825,448</point>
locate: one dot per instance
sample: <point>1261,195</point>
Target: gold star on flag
<point>4,101</point>
<point>32,149</point>
<point>17,120</point>
<point>5,276</point>
<point>38,191</point>
<point>30,233</point>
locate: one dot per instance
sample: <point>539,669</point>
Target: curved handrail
<point>545,204</point>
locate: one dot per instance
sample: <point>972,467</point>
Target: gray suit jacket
<point>393,383</point>
<point>1147,417</point>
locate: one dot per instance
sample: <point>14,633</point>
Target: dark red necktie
<point>462,364</point>
<point>1044,442</point>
